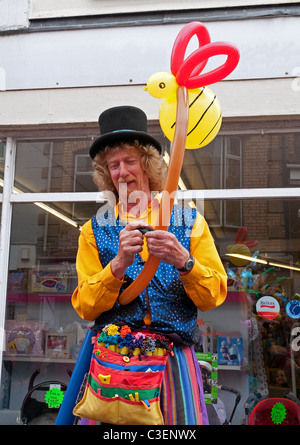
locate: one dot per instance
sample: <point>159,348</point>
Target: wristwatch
<point>188,265</point>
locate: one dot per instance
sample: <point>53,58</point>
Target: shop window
<point>41,270</point>
<point>83,182</point>
<point>244,161</point>
<point>54,167</point>
<point>49,166</point>
<point>42,278</point>
<point>217,166</point>
<point>260,316</point>
<point>42,331</point>
<point>294,174</point>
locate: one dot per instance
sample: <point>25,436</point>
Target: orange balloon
<point>174,170</point>
<point>187,73</point>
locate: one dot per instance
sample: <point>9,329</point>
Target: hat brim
<point>110,139</point>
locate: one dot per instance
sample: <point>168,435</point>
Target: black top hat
<point>122,124</point>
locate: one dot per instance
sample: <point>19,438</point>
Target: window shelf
<point>31,297</point>
<point>39,359</point>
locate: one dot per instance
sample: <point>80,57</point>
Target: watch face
<point>189,264</point>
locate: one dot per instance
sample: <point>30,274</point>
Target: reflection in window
<point>202,169</point>
<point>83,182</point>
<point>44,246</point>
<point>217,166</point>
<point>233,162</point>
<point>49,235</point>
<point>244,161</point>
<point>262,309</point>
<point>43,333</point>
<point>51,166</point>
<point>41,266</point>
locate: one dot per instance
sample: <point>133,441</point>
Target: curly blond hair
<point>152,162</point>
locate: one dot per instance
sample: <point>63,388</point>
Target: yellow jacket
<point>98,289</point>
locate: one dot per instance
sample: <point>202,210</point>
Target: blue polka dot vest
<point>172,311</point>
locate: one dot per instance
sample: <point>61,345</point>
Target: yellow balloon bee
<point>205,114</point>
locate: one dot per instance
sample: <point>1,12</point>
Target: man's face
<point>125,168</point>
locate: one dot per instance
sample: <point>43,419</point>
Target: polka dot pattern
<point>171,309</point>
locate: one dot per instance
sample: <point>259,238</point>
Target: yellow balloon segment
<point>205,117</point>
<point>162,85</point>
<point>205,114</point>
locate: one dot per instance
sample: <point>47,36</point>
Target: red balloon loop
<point>241,238</point>
<point>241,235</point>
<point>181,42</point>
<point>185,73</point>
<point>251,243</point>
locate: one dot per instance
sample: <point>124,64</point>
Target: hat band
<point>123,129</point>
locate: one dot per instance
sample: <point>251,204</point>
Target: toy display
<point>273,354</point>
<point>49,281</point>
<point>25,338</point>
<point>209,368</point>
<point>230,350</point>
<point>59,345</point>
<point>240,248</point>
<point>15,281</point>
<point>205,336</point>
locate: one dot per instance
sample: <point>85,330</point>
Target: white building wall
<point>69,76</point>
<point>129,55</point>
<point>239,99</point>
<point>14,14</point>
<point>72,8</point>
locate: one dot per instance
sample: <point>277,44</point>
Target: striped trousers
<point>182,397</point>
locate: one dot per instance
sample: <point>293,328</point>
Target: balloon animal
<point>241,247</point>
<point>181,120</point>
<point>205,115</point>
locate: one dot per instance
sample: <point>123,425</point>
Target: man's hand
<point>165,245</point>
<point>131,241</point>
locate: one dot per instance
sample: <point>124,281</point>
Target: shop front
<point>246,186</point>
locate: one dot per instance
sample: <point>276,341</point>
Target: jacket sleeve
<point>206,283</point>
<point>97,289</point>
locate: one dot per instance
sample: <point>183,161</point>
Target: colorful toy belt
<point>124,341</point>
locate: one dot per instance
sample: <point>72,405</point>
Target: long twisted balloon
<point>176,160</point>
<point>185,74</point>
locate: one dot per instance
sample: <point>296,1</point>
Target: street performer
<point>115,244</point>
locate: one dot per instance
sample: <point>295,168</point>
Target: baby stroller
<point>216,411</point>
<point>35,410</point>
